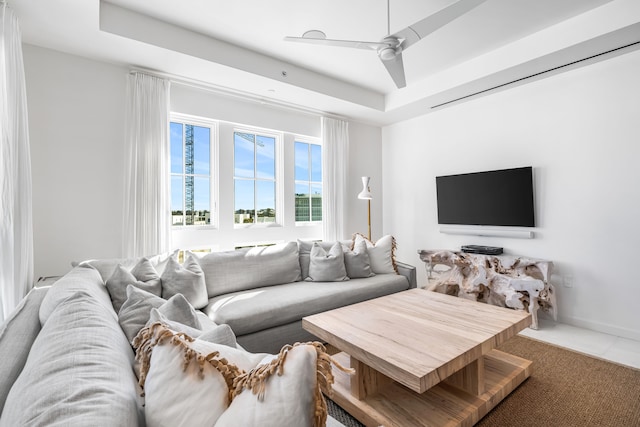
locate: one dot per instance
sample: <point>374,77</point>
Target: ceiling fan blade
<point>395,68</point>
<point>340,43</point>
<point>431,23</point>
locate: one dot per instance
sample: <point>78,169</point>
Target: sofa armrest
<point>408,271</point>
<point>17,333</point>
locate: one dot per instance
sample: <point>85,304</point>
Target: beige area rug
<point>566,389</point>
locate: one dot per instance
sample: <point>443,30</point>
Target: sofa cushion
<point>134,313</point>
<point>186,279</point>
<point>262,308</point>
<point>356,261</point>
<point>249,268</point>
<point>78,373</point>
<point>86,279</point>
<point>381,253</point>
<point>17,334</point>
<point>143,275</point>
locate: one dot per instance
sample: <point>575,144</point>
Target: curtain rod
<point>234,93</point>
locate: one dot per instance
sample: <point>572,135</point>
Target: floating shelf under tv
<point>491,232</point>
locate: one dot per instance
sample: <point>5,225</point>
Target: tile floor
<point>616,349</point>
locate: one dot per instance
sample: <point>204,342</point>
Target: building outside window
<point>254,177</point>
<point>191,172</point>
<point>308,182</point>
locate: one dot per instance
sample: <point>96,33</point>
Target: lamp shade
<point>365,193</point>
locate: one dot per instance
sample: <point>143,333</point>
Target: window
<point>254,178</point>
<point>308,181</point>
<point>191,172</point>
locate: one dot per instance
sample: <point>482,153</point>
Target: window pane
<point>302,189</point>
<point>301,161</point>
<point>201,148</point>
<point>244,206</point>
<point>202,204</point>
<point>176,148</point>
<point>176,200</point>
<point>266,199</point>
<point>243,154</point>
<point>302,202</point>
<point>316,163</point>
<point>265,157</point>
<point>316,202</point>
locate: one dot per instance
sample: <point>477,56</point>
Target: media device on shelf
<point>484,250</point>
<point>496,198</point>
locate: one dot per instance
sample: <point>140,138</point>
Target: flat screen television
<point>500,198</point>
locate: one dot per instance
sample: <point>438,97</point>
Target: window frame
<point>310,141</point>
<point>214,179</point>
<point>278,175</point>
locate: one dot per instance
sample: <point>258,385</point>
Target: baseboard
<point>601,327</point>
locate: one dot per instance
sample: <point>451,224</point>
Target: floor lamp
<point>365,194</point>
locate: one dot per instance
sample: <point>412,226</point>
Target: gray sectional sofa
<point>67,361</point>
<point>263,298</point>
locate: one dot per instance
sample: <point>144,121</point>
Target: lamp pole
<point>365,194</point>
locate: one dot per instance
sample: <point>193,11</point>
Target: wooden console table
<point>502,280</point>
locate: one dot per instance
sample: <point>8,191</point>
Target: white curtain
<point>16,229</point>
<point>147,205</point>
<point>335,158</point>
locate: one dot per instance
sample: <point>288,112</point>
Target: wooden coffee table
<point>422,358</point>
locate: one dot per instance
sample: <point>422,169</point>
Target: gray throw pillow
<point>186,279</point>
<point>142,276</point>
<point>219,334</point>
<point>327,266</point>
<point>134,313</point>
<point>357,262</point>
<point>178,309</point>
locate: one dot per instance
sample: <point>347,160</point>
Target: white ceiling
<point>238,45</point>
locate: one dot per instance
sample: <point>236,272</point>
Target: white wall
<point>76,126</point>
<point>579,130</point>
<point>76,122</point>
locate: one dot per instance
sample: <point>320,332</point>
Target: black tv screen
<point>501,197</point>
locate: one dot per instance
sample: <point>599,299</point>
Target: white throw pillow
<point>186,279</point>
<point>288,398</point>
<point>191,382</point>
<point>143,276</point>
<point>357,262</point>
<point>381,253</point>
<point>181,387</point>
<point>327,266</point>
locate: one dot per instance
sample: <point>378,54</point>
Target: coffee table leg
<point>470,378</point>
<point>366,381</point>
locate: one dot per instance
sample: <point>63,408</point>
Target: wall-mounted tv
<point>500,197</point>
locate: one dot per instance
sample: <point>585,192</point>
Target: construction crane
<point>188,172</point>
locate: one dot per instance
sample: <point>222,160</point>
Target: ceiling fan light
<point>387,53</point>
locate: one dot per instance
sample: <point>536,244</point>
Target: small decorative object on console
<point>485,250</point>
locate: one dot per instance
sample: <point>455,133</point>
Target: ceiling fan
<point>390,48</point>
